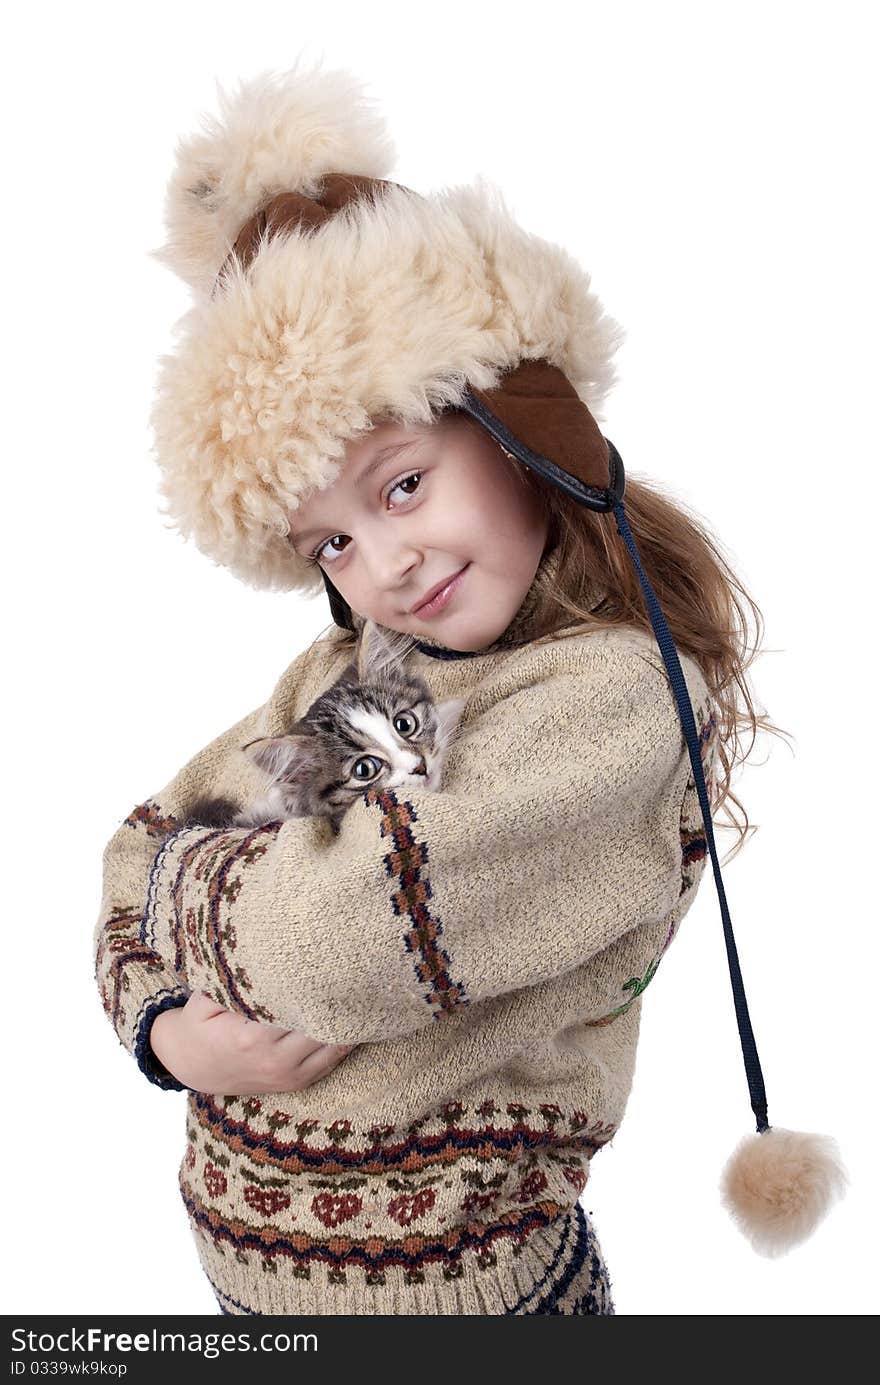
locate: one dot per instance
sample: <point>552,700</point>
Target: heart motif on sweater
<point>215,1179</point>
<point>406,1207</point>
<point>334,1208</point>
<point>266,1201</point>
<point>533,1183</point>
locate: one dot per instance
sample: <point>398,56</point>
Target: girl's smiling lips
<point>440,595</point>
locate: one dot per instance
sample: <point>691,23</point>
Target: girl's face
<point>395,524</point>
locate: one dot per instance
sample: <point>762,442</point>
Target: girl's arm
<point>135,983</point>
<point>557,833</point>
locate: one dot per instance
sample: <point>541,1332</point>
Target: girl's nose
<point>390,571</point>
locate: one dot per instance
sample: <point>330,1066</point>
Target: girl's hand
<point>214,1050</point>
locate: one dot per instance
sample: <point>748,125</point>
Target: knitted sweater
<point>485,946</point>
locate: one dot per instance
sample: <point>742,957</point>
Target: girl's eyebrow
<point>382,456</point>
<point>375,462</point>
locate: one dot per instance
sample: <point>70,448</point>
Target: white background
<point>714,167</point>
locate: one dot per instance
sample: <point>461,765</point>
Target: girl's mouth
<point>443,596</point>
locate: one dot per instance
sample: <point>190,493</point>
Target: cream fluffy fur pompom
<point>778,1186</point>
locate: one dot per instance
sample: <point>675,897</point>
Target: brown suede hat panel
<point>542,410</point>
<point>288,212</point>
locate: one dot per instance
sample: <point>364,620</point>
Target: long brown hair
<point>705,604</point>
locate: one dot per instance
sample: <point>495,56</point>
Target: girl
<point>404,1042</point>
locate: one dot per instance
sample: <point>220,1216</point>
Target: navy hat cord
<point>778,1183</point>
<point>685,711</point>
<point>611,498</point>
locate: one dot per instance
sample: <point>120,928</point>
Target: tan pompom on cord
<point>779,1184</point>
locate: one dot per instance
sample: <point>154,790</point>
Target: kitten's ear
<point>288,757</point>
<point>379,649</point>
<point>448,714</point>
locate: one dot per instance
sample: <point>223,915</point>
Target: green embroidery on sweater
<point>636,985</point>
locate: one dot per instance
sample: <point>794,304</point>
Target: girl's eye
<point>318,554</point>
<point>413,476</point>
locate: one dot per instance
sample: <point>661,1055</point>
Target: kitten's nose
<point>420,767</point>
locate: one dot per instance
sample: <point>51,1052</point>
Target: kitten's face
<point>378,726</point>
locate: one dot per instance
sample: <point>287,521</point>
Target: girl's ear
<point>290,757</point>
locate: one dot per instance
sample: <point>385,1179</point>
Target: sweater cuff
<point>144,1056</point>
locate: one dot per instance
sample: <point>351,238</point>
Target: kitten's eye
<point>366,768</point>
<point>406,724</point>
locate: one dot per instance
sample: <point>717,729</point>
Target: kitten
<point>376,726</point>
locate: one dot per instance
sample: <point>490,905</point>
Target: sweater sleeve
<point>614,979</point>
<point>134,982</point>
<point>556,831</point>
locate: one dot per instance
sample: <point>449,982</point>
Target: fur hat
<point>325,297</point>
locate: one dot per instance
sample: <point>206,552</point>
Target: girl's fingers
<point>297,1046</point>
<point>318,1063</point>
